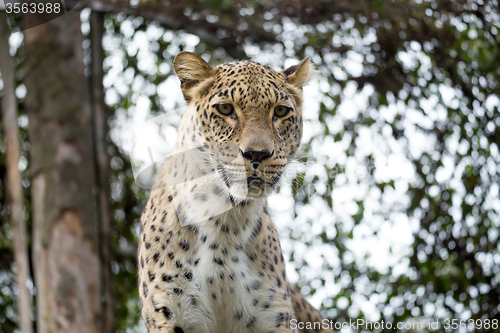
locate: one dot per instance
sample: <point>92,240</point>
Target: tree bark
<point>68,268</point>
<point>171,15</point>
<point>100,116</point>
<point>14,186</point>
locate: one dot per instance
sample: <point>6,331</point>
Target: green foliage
<point>128,202</point>
<point>427,73</point>
<point>7,278</point>
<point>438,52</point>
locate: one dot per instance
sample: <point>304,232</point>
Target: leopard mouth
<point>256,186</point>
<point>257,181</point>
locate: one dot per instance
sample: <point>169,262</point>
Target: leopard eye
<point>225,109</point>
<point>281,110</point>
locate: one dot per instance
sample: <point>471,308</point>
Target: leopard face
<point>247,116</point>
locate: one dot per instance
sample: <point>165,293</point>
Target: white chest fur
<point>230,294</point>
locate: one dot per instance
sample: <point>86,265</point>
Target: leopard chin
<point>248,189</point>
<point>258,188</point>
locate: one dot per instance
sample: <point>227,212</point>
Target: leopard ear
<point>191,69</point>
<point>299,74</point>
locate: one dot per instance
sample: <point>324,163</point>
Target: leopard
<point>209,256</point>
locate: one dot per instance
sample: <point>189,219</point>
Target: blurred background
<point>391,211</point>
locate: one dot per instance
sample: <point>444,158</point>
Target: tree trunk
<point>14,186</point>
<point>102,166</point>
<point>68,268</point>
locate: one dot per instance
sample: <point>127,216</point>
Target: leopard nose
<point>256,156</point>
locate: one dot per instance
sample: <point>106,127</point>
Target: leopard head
<point>247,115</point>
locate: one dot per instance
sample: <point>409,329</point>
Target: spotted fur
<point>209,255</point>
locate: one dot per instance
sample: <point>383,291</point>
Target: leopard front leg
<point>174,309</point>
<point>306,318</point>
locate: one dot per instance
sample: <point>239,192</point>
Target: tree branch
<point>14,186</point>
